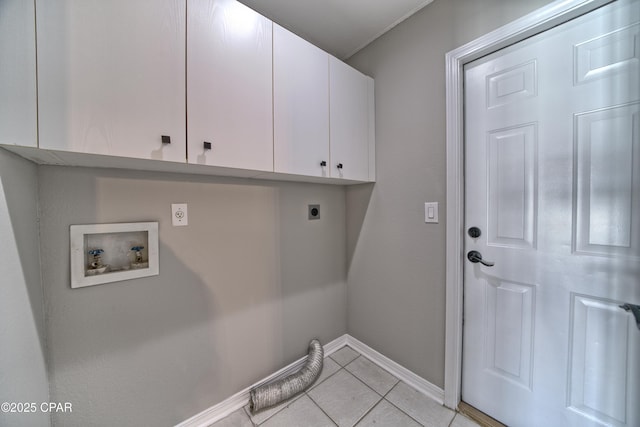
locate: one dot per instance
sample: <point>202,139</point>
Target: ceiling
<point>341,27</point>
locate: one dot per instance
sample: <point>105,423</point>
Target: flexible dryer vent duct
<point>271,394</point>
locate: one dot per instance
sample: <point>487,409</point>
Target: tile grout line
<point>359,420</point>
<point>374,405</point>
<point>365,384</point>
<point>376,366</point>
<point>382,397</point>
<point>320,407</point>
<point>369,387</point>
<point>294,398</point>
<point>339,364</point>
<point>315,385</point>
<point>285,405</point>
<point>399,409</point>
<point>396,406</point>
<point>244,408</point>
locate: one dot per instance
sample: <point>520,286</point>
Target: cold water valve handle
<point>137,250</point>
<point>96,263</point>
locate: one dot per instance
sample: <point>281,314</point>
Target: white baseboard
<point>240,399</point>
<point>335,345</point>
<point>397,370</point>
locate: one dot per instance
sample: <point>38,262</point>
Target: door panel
<point>509,331</point>
<point>18,115</point>
<point>111,77</point>
<point>552,177</point>
<point>611,53</point>
<point>511,187</point>
<point>230,84</point>
<point>598,373</point>
<point>604,196</point>
<point>349,117</point>
<point>301,105</point>
<point>517,82</point>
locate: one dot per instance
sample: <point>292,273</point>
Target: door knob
<point>635,310</point>
<point>475,257</point>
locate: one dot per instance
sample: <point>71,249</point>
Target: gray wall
<point>241,291</point>
<point>23,374</point>
<point>396,262</point>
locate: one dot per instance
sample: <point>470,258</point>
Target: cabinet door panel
<point>229,94</point>
<point>301,105</point>
<point>17,73</point>
<point>349,115</point>
<point>111,77</point>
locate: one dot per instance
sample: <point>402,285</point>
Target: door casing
<point>534,23</point>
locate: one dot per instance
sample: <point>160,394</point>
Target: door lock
<point>474,232</point>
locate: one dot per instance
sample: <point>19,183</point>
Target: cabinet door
<point>301,105</point>
<point>111,77</point>
<point>351,101</point>
<point>229,94</point>
<point>18,123</point>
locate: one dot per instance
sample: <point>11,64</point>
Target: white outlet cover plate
<point>179,214</point>
<point>431,212</point>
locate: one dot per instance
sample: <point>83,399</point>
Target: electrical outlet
<point>314,211</point>
<point>179,214</point>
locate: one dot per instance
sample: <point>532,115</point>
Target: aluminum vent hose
<point>268,395</point>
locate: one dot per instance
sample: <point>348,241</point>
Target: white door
<point>552,155</point>
<point>229,86</point>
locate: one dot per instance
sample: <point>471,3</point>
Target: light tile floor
<point>352,391</point>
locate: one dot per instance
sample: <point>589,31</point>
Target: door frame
<point>540,20</point>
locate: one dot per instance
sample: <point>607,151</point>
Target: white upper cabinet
<point>352,123</point>
<point>201,82</point>
<point>18,119</point>
<point>301,105</point>
<point>111,77</point>
<point>229,95</point>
